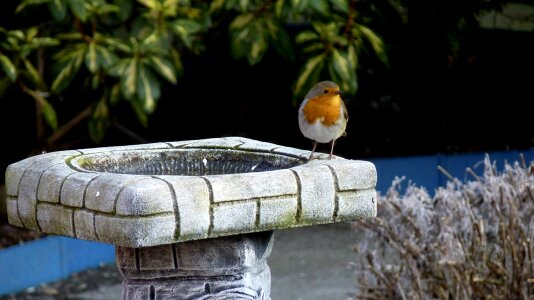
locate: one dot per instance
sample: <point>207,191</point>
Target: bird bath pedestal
<point>190,219</point>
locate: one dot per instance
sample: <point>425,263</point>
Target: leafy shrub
<point>124,50</point>
<point>471,240</point>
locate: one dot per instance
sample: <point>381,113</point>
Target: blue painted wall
<point>49,259</point>
<point>422,170</point>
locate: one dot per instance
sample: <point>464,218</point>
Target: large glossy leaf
<point>91,58</point>
<point>8,67</point>
<point>44,42</point>
<point>33,74</point>
<point>79,9</point>
<point>148,90</point>
<point>341,5</point>
<point>99,121</point>
<point>58,9</point>
<point>105,58</point>
<point>314,65</point>
<point>283,45</point>
<point>241,21</point>
<point>25,3</point>
<point>341,65</point>
<point>306,36</point>
<point>141,115</point>
<point>376,42</point>
<point>47,109</point>
<point>164,67</point>
<point>129,78</point>
<point>257,48</point>
<point>320,6</point>
<point>69,64</point>
<point>185,28</point>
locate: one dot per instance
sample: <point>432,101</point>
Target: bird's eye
<point>325,91</point>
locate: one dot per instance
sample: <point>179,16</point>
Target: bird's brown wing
<point>345,111</point>
<point>345,115</point>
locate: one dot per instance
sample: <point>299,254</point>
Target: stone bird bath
<point>190,219</point>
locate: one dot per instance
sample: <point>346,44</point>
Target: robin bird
<point>322,115</point>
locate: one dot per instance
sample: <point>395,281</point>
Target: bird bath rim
<point>183,162</point>
<point>56,194</point>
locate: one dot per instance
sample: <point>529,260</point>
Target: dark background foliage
<point>449,86</point>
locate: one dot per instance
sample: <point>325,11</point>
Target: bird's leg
<point>313,150</point>
<point>332,149</point>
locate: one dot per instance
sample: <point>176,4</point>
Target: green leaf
<point>241,21</point>
<point>47,109</point>
<point>90,58</point>
<point>44,42</point>
<point>69,68</point>
<point>125,9</point>
<point>341,65</point>
<point>185,28</point>
<point>79,9</point>
<point>115,94</point>
<point>177,61</point>
<point>313,48</point>
<point>320,6</point>
<point>129,78</point>
<point>99,121</point>
<point>306,36</point>
<point>341,5</point>
<point>8,67</point>
<point>25,3</point>
<point>115,43</point>
<point>257,48</point>
<point>148,90</point>
<point>216,5</point>
<point>279,7</point>
<point>282,44</point>
<point>376,42</point>
<point>58,9</point>
<point>163,67</point>
<point>152,4</point>
<point>105,58</point>
<point>142,116</point>
<point>313,66</point>
<point>34,75</point>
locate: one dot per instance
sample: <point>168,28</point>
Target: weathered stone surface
<point>55,219</point>
<point>317,195</point>
<point>193,205</point>
<point>153,194</point>
<point>125,148</point>
<point>277,212</point>
<point>219,268</point>
<point>12,212</point>
<point>252,185</point>
<point>145,197</point>
<point>357,204</point>
<point>51,181</point>
<point>74,186</point>
<point>352,174</point>
<point>234,218</point>
<point>136,231</point>
<point>84,224</point>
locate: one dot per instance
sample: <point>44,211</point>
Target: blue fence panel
<point>422,170</point>
<point>49,259</point>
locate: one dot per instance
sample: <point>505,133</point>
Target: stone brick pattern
<point>52,194</point>
<point>232,267</point>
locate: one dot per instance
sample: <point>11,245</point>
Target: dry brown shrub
<point>472,240</point>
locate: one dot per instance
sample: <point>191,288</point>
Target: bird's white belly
<point>321,133</point>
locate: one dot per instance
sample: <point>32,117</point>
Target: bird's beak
<point>340,92</point>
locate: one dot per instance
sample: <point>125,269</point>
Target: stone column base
<point>232,267</point>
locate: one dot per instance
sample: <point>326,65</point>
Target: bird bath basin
<point>190,219</point>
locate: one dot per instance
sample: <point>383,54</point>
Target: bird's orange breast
<point>325,108</point>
